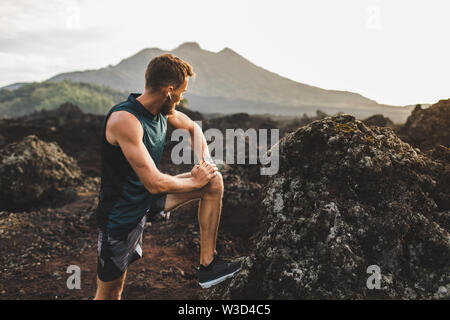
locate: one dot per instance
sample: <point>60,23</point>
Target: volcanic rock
<point>2,141</point>
<point>33,170</point>
<point>77,133</point>
<point>378,120</point>
<point>67,112</point>
<point>427,128</point>
<point>241,198</point>
<point>348,199</point>
<point>441,153</point>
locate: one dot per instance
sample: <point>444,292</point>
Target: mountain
<point>49,95</point>
<point>226,82</point>
<point>13,86</point>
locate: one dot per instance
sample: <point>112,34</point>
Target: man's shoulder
<point>123,118</point>
<point>124,122</point>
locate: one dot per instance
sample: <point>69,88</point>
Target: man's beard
<point>167,107</point>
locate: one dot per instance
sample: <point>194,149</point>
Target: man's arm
<point>184,175</point>
<point>179,120</point>
<point>128,132</point>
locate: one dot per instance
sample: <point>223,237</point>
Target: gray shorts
<point>115,254</point>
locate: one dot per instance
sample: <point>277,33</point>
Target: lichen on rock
<point>348,196</point>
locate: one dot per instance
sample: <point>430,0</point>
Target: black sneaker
<point>217,271</point>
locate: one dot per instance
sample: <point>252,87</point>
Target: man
<point>133,189</point>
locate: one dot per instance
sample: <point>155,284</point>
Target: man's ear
<point>167,90</point>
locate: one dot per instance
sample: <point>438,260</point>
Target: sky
<point>395,52</point>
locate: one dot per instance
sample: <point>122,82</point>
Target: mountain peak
<point>226,50</point>
<point>189,45</point>
<point>147,51</point>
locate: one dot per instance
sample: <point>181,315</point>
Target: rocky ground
<point>38,246</point>
<point>349,193</point>
<point>40,242</point>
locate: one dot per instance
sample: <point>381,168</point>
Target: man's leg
<point>209,211</point>
<point>111,290</point>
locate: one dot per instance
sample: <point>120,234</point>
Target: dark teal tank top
<point>123,199</point>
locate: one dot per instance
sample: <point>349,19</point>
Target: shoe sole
<point>218,280</point>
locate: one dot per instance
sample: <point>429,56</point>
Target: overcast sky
<point>395,52</point>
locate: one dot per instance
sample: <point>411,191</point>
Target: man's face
<point>168,106</point>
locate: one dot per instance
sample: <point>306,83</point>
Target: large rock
<point>378,120</point>
<point>440,153</point>
<point>240,199</point>
<point>2,141</point>
<point>33,170</point>
<point>348,197</point>
<point>427,128</point>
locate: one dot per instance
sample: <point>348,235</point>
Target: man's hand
<point>203,173</point>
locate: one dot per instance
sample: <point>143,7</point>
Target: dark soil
<point>37,248</point>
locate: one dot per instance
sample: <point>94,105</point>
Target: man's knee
<point>215,185</point>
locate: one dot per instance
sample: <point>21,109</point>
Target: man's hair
<point>166,69</point>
